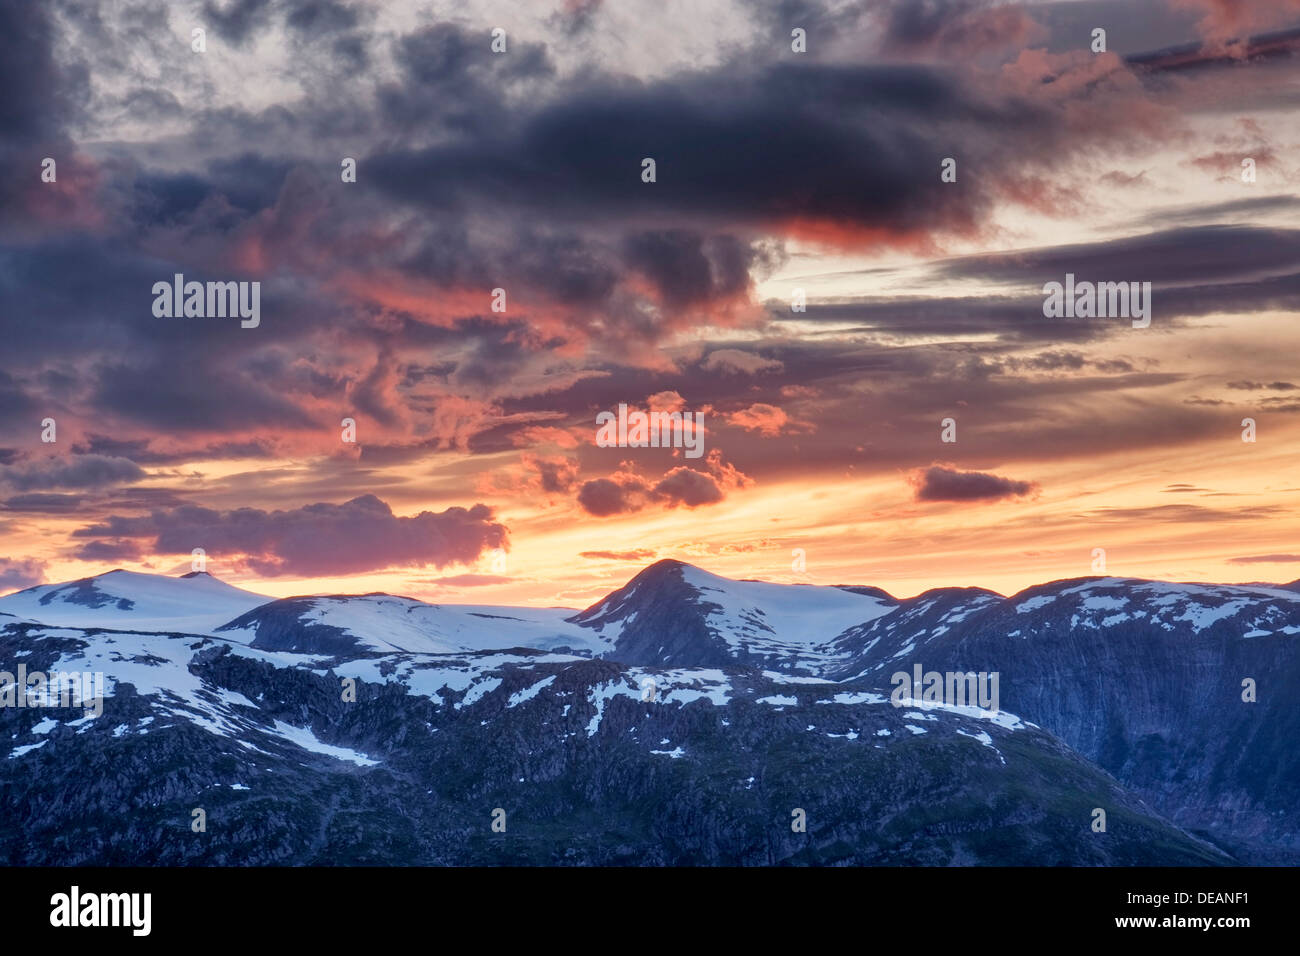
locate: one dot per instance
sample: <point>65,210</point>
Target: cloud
<point>688,487</point>
<point>603,497</point>
<point>109,551</point>
<point>1180,259</point>
<point>768,420</point>
<point>16,574</point>
<point>1266,559</point>
<point>73,471</point>
<point>737,360</point>
<point>666,401</point>
<point>942,483</point>
<point>359,291</point>
<point>236,20</point>
<point>1256,386</point>
<point>318,539</point>
<point>1224,19</point>
<point>954,28</point>
<point>555,475</point>
<point>535,475</point>
<point>640,554</point>
<point>862,183</point>
<point>1181,514</point>
<point>689,269</point>
<point>470,580</point>
<point>43,503</point>
<point>625,491</point>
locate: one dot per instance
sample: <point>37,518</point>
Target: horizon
<point>242,584</point>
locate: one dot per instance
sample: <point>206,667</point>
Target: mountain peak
<point>132,600</point>
<point>661,567</point>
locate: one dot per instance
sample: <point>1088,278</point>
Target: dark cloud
<point>603,497</point>
<point>689,269</point>
<point>178,396</point>
<point>940,483</point>
<point>1279,405</point>
<point>235,20</point>
<point>1196,215</point>
<point>952,27</point>
<point>36,95</point>
<point>1265,559</point>
<point>1258,386</point>
<point>109,551</point>
<point>318,539</point>
<point>40,97</point>
<point>43,503</point>
<point>1191,256</point>
<point>141,450</point>
<point>1194,271</point>
<point>16,574</point>
<point>321,16</point>
<point>864,163</point>
<point>688,487</point>
<point>451,79</point>
<point>72,471</point>
<point>1200,56</point>
<point>625,492</point>
<point>555,475</point>
<point>17,407</point>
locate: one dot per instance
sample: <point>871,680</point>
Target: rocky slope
<point>681,720</point>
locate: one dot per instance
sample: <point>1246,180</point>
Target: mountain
<point>682,719</point>
<point>1145,679</point>
<point>586,769</point>
<point>194,603</point>
<point>341,624</point>
<point>675,613</point>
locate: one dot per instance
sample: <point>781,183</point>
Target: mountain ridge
<point>1130,681</point>
<point>657,567</point>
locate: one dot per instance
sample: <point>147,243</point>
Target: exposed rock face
<point>1148,683</point>
<point>283,626</point>
<point>659,619</point>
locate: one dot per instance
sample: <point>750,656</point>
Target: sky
<point>838,262</point>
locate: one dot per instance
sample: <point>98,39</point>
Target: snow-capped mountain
<point>677,720</point>
<point>676,613</point>
<point>194,603</point>
<point>343,625</point>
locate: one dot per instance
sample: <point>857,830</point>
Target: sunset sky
<point>775,170</point>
